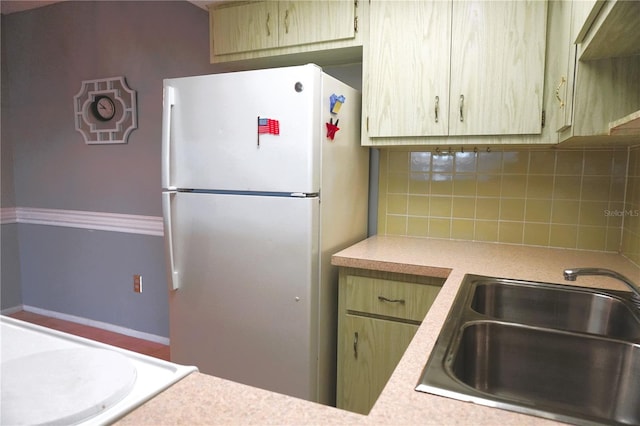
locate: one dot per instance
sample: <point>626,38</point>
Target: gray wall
<point>49,52</point>
<point>46,53</point>
<point>10,291</point>
<point>89,274</point>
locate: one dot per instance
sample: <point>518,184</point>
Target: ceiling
<point>12,6</point>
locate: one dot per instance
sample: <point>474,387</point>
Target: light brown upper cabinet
<point>594,99</point>
<point>249,30</point>
<point>453,68</point>
<point>243,27</point>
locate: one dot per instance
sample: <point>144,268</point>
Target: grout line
<point>624,194</point>
<point>580,200</point>
<point>406,204</point>
<point>524,197</point>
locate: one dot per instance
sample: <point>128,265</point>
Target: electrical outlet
<point>137,283</point>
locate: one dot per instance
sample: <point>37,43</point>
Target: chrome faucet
<point>572,274</point>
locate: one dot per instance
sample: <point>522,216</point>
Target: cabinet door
<point>497,67</point>
<point>303,22</point>
<point>561,56</point>
<point>244,27</point>
<point>371,349</point>
<point>407,89</point>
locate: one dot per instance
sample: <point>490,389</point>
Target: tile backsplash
<point>543,197</point>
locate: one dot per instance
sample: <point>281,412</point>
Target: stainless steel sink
<point>557,306</point>
<point>549,350</point>
<point>568,372</point>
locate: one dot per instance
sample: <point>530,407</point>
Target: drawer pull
<point>286,22</point>
<point>562,81</point>
<point>268,24</point>
<point>384,299</point>
<point>355,345</point>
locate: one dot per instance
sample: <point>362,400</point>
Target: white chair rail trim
<point>115,222</point>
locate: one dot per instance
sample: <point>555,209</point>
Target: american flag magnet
<point>267,126</point>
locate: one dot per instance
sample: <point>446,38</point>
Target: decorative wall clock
<point>105,110</point>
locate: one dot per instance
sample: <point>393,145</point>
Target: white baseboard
<point>116,222</point>
<point>89,322</point>
<point>12,310</point>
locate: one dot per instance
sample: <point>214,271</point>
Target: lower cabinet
<point>371,350</point>
<point>378,315</point>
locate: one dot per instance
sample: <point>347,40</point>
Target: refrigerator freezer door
<point>246,308</point>
<point>210,131</point>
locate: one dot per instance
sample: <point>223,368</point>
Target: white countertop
<point>51,377</point>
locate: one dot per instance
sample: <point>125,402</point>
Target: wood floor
<point>146,347</point>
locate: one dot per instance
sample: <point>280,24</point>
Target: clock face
<point>103,108</point>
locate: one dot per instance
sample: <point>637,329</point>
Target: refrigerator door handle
<point>304,194</point>
<point>167,107</point>
<point>172,274</point>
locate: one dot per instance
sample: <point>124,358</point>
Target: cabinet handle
<point>437,107</point>
<point>286,21</point>
<point>461,107</point>
<point>562,81</point>
<point>384,299</point>
<point>355,345</point>
<point>268,27</point>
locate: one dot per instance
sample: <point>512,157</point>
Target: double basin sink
<point>565,353</point>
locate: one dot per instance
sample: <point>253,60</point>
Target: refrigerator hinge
<point>304,194</point>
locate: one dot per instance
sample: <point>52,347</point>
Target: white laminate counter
<point>202,399</point>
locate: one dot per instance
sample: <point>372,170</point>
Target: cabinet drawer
<point>387,298</point>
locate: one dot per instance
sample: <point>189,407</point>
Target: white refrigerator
<point>263,180</point>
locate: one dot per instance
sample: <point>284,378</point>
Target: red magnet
<point>332,128</point>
